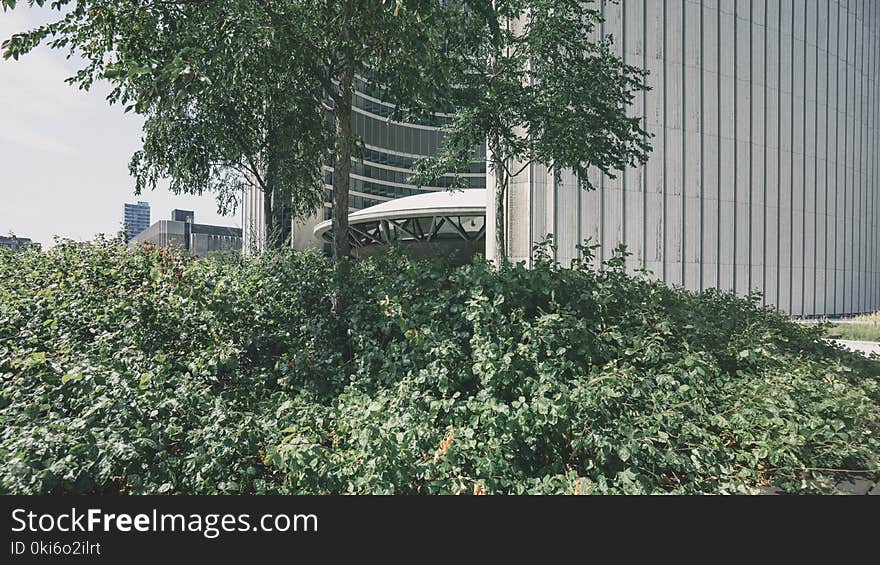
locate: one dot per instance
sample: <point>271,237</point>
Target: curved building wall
<point>765,172</point>
<point>389,150</point>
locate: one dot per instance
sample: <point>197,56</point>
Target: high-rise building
<point>765,173</point>
<point>136,219</point>
<point>378,174</point>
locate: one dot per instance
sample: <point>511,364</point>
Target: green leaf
<point>74,376</point>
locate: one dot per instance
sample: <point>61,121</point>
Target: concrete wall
<point>253,227</point>
<point>169,233</point>
<point>202,244</point>
<point>766,165</point>
<point>163,233</point>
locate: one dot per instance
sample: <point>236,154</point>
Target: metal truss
<point>424,229</point>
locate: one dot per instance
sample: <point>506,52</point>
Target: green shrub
<point>142,371</point>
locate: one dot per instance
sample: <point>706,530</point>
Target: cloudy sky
<point>64,153</point>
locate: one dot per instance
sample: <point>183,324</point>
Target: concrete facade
<point>198,239</point>
<point>253,219</point>
<point>765,172</point>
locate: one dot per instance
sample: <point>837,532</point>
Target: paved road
<point>864,347</point>
<point>855,485</point>
<point>813,321</point>
<point>859,485</point>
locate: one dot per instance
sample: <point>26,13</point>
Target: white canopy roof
<point>471,202</point>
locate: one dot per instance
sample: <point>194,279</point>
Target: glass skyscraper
<point>136,219</point>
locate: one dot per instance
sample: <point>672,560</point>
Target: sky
<point>64,153</point>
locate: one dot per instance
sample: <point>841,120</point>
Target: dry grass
<point>873,318</point>
<point>865,327</point>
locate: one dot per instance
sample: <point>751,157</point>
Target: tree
<point>537,89</point>
<point>225,105</point>
<point>221,99</point>
<point>394,46</point>
<point>242,88</point>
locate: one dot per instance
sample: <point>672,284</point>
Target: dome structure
<point>447,223</point>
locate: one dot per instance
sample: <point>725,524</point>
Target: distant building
<point>183,216</point>
<point>136,219</point>
<point>17,243</point>
<point>181,231</point>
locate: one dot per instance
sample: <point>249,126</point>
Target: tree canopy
<point>538,84</point>
<point>251,90</point>
<point>245,90</point>
<point>222,102</point>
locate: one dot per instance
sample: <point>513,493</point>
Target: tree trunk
<point>500,224</point>
<point>268,219</point>
<point>341,185</point>
<point>276,203</point>
<point>342,167</point>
